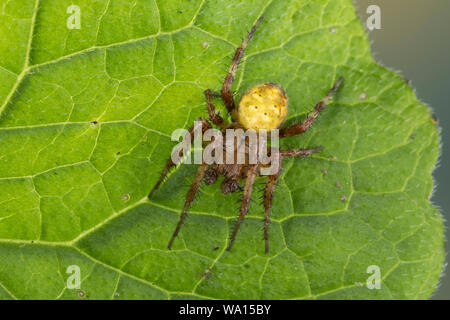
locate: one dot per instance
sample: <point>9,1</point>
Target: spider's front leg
<point>300,128</point>
<point>189,199</point>
<point>268,197</point>
<point>227,95</point>
<point>271,184</point>
<point>249,181</point>
<point>170,164</point>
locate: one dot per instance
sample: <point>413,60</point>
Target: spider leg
<point>299,152</point>
<point>170,164</point>
<point>227,95</point>
<point>271,184</point>
<point>213,116</point>
<point>216,94</point>
<point>268,196</point>
<point>249,181</point>
<point>300,128</point>
<point>189,199</point>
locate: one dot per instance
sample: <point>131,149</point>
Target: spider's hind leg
<point>300,128</point>
<point>227,95</point>
<point>213,116</point>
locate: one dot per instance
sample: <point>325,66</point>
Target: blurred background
<point>415,40</point>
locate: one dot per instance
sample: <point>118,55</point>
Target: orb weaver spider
<point>263,106</point>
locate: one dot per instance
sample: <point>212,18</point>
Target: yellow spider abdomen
<point>263,106</point>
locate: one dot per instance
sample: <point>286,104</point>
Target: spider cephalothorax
<point>262,107</point>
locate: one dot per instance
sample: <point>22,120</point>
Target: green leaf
<point>85,123</point>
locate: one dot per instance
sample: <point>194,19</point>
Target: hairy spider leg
<point>249,181</point>
<point>269,188</point>
<point>271,184</point>
<point>227,95</point>
<point>189,199</point>
<point>299,152</point>
<point>300,128</point>
<point>170,163</point>
<point>213,116</point>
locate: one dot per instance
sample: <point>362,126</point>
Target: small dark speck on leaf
<point>216,248</point>
<point>407,81</point>
<point>412,136</point>
<point>338,184</point>
<point>324,171</point>
<point>434,119</point>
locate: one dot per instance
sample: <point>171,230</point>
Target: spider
<point>263,106</point>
